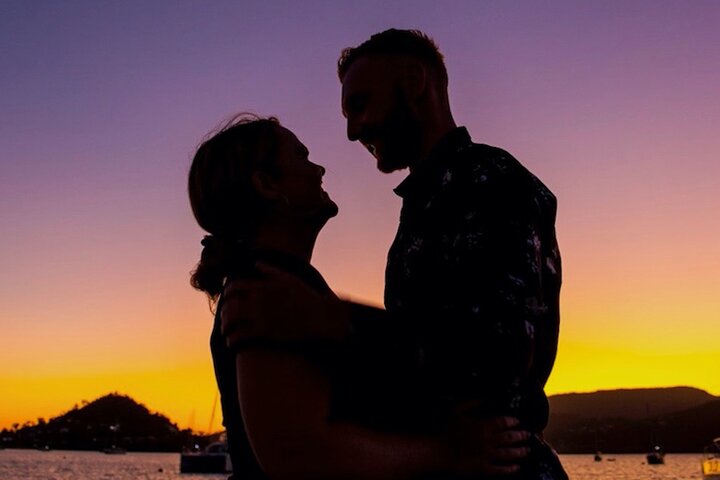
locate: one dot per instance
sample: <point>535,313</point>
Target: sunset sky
<point>615,105</point>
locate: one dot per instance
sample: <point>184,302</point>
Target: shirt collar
<point>421,177</point>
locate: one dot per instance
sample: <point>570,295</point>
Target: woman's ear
<point>264,185</point>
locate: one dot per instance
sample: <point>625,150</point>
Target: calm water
<point>69,465</point>
<point>66,465</point>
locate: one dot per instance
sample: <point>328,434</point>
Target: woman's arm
<point>284,399</point>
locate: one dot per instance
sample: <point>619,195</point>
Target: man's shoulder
<point>494,160</point>
<point>490,151</point>
<point>483,159</point>
<point>495,170</point>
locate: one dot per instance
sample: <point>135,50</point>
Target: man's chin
<point>329,209</point>
<point>389,166</point>
<point>332,210</point>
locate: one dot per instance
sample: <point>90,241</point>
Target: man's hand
<point>278,306</point>
<point>488,447</point>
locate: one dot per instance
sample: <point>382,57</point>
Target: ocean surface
<point>70,465</point>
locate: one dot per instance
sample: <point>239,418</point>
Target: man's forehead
<point>368,71</point>
<point>372,67</point>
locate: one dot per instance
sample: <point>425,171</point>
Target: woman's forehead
<point>290,140</point>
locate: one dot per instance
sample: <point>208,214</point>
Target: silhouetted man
<point>473,276</point>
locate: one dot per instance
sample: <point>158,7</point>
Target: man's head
<point>394,96</point>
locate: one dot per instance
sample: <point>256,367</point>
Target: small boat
<point>114,450</point>
<point>656,456</point>
<point>598,453</point>
<point>711,460</point>
<point>214,459</point>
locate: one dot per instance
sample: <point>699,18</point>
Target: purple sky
<point>613,104</point>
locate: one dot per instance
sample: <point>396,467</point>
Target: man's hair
<point>413,43</point>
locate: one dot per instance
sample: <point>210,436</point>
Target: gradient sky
<point>613,104</point>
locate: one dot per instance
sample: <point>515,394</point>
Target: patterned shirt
<point>474,277</point>
<point>472,301</point>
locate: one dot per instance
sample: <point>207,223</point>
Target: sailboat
<point>656,456</point>
<point>114,449</point>
<point>215,458</point>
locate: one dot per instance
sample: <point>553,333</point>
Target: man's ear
<point>415,79</point>
<point>264,185</point>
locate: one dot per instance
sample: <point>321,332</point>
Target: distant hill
<point>695,426</point>
<point>682,419</point>
<point>113,419</point>
<point>631,404</point>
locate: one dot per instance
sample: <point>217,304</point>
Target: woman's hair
<point>221,194</point>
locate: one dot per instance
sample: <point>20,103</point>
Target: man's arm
<point>546,335</point>
<point>268,298</point>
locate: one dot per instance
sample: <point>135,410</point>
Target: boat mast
<point>212,414</point>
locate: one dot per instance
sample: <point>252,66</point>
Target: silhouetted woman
<point>254,190</point>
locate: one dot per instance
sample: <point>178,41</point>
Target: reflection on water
<point>632,467</point>
<point>67,465</point>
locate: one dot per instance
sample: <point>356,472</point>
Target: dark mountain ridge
<point>681,419</point>
<point>111,420</point>
<point>631,404</point>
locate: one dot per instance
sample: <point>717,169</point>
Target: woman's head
<point>251,172</point>
<point>220,187</point>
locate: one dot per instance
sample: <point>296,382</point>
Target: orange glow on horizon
<point>184,393</point>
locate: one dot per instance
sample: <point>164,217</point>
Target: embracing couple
<point>448,380</point>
